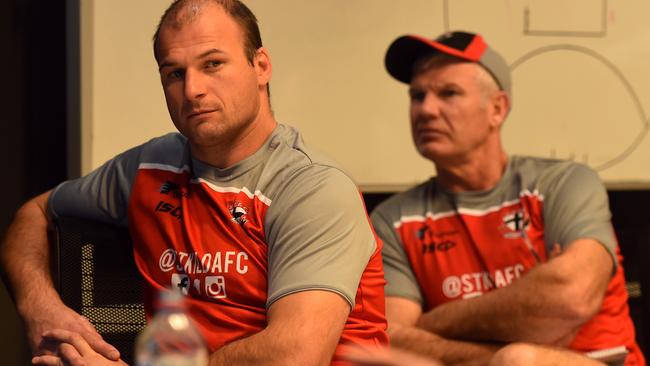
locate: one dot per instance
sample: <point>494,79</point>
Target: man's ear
<point>500,108</point>
<point>263,67</point>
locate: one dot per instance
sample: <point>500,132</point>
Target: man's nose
<point>428,106</point>
<point>195,85</point>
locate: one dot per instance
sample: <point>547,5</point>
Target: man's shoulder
<point>172,140</point>
<point>170,149</point>
<point>547,172</point>
<point>292,140</point>
<point>539,165</point>
<point>408,202</point>
<point>290,154</point>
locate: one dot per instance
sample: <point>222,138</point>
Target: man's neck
<point>472,174</point>
<point>238,147</point>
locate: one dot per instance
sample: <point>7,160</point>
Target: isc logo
<point>163,206</point>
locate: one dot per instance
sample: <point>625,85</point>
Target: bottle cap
<point>170,299</point>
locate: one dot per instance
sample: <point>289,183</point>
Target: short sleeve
<point>318,234</point>
<point>576,206</point>
<point>102,195</point>
<point>400,280</point>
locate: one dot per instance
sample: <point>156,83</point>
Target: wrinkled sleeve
<point>319,235</point>
<point>400,280</point>
<point>577,207</point>
<point>102,195</point>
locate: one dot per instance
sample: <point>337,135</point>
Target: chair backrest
<point>95,274</point>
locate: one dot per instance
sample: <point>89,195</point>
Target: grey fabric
<point>575,206</point>
<point>314,224</point>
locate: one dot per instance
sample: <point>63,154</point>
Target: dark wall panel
<point>32,124</point>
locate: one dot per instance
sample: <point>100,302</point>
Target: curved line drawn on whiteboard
<point>602,32</point>
<point>626,84</point>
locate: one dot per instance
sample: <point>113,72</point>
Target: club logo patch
<point>514,224</point>
<point>238,212</point>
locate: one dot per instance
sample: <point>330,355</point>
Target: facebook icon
<point>181,282</point>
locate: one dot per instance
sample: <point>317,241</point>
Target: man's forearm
<point>303,328</point>
<point>547,305</point>
<point>25,256</point>
<point>498,317</point>
<point>266,349</point>
<point>255,350</point>
<point>449,352</point>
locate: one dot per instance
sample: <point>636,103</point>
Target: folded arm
<point>303,329</point>
<point>403,314</point>
<point>547,305</point>
<point>25,259</point>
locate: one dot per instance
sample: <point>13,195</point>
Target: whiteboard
<point>581,79</point>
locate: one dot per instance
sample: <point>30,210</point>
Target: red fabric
<point>458,266</point>
<point>210,246</point>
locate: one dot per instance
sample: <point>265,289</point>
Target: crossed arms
<point>546,306</point>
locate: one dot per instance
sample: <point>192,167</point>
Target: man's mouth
<point>200,113</point>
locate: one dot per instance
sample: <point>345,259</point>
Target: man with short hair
<point>268,239</point>
<point>495,249</point>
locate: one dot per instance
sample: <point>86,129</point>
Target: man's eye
<point>175,74</point>
<point>447,93</point>
<point>212,64</point>
<point>417,96</point>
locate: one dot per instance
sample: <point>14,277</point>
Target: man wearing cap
<point>495,249</point>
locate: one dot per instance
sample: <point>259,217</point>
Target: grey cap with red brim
<point>405,51</point>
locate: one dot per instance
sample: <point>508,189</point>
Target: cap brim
<point>402,54</point>
<point>406,50</point>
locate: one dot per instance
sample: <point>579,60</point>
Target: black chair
<point>95,274</point>
<point>630,219</point>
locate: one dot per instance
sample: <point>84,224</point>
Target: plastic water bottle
<point>170,339</point>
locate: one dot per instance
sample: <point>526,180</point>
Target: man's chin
<point>438,156</point>
<point>206,131</point>
<point>431,151</point>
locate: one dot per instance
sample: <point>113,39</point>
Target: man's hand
<point>73,350</point>
<point>25,263</point>
<point>375,356</point>
<point>538,355</point>
<point>402,315</point>
<point>48,318</point>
